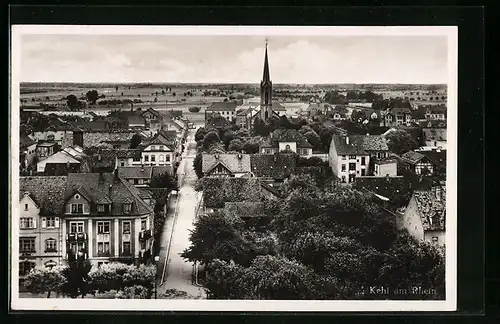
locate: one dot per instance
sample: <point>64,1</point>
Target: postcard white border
<point>451,32</point>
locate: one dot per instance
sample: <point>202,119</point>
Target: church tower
<point>266,92</point>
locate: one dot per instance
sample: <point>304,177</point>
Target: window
<point>100,208</point>
<point>146,158</point>
<point>167,158</point>
<point>51,221</point>
<point>122,164</point>
<point>25,267</point>
<point>143,225</point>
<point>153,158</point>
<point>136,159</point>
<point>363,172</point>
<point>162,147</point>
<point>25,206</point>
<point>26,222</point>
<point>435,239</point>
<point>162,158</point>
<point>76,227</point>
<point>343,179</point>
<point>153,148</point>
<point>287,147</point>
<point>103,248</point>
<point>143,245</point>
<point>127,208</point>
<point>26,244</point>
<point>50,245</point>
<point>352,157</point>
<point>363,160</point>
<point>344,157</point>
<point>352,166</point>
<point>126,248</point>
<point>126,228</point>
<point>268,151</point>
<point>102,227</point>
<point>343,168</point>
<point>76,208</point>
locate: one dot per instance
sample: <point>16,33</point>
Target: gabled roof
<point>152,111</point>
<point>235,163</point>
<point>413,157</point>
<point>106,186</point>
<point>437,157</point>
<point>398,111</point>
<point>276,166</point>
<point>436,110</point>
<point>136,120</point>
<point>286,135</point>
<point>276,106</point>
<point>359,144</point>
<point>222,106</point>
<point>135,172</point>
<point>46,191</point>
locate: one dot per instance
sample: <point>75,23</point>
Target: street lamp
<point>157,258</point>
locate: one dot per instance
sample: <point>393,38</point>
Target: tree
<point>92,96</point>
<point>216,236</point>
<point>357,116</point>
<point>72,102</point>
<point>235,145</point>
<point>314,139</point>
<point>400,141</point>
<point>77,279</point>
<point>45,280</point>
<point>162,92</point>
<point>198,165</point>
<point>135,141</point>
<point>165,181</point>
<point>260,128</point>
<point>251,147</point>
<point>173,93</point>
<point>210,138</point>
<point>116,88</point>
<point>194,109</point>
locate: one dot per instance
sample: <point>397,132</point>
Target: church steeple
<point>266,91</point>
<point>266,77</point>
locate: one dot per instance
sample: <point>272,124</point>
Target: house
<point>225,109</point>
<point>158,150</point>
<point>68,159</point>
<point>286,140</point>
<point>425,215</point>
<point>435,133</point>
<point>141,176</point>
<point>104,219</point>
<point>386,167</point>
<point>62,135</point>
<point>41,200</point>
<point>225,165</point>
<point>338,115</point>
<point>27,151</point>
<point>242,118</point>
<point>136,122</point>
<point>397,117</point>
<point>45,149</point>
<point>150,115</point>
<point>350,156</point>
<point>418,162</point>
<point>438,159</point>
<point>438,112</point>
<point>277,167</point>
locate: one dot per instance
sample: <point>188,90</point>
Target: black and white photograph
<point>219,168</point>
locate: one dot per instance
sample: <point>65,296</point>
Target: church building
<point>267,107</point>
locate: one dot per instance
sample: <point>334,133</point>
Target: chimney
<point>240,156</point>
<point>347,140</point>
<point>99,157</point>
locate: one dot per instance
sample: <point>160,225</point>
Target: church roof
<point>266,76</point>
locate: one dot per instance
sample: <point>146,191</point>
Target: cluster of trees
<point>264,128</point>
<point>383,104</point>
<point>400,141</point>
<point>320,243</point>
<point>336,97</point>
<point>194,109</point>
<point>79,279</point>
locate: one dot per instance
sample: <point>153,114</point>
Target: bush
<point>194,109</point>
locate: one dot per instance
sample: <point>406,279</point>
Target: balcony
<point>73,237</point>
<point>144,235</point>
<point>80,256</point>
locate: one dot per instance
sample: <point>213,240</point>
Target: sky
<point>233,59</point>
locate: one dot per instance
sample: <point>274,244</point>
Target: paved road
<point>179,272</point>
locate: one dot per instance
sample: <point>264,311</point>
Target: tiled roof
<point>46,191</point>
<point>236,163</point>
<point>387,187</point>
<point>95,138</point>
<point>286,135</point>
<point>398,111</point>
<point>136,120</point>
<point>276,106</point>
<point>438,158</point>
<point>168,134</point>
<point>243,112</point>
<point>135,172</point>
<point>245,209</point>
<point>359,144</point>
<point>25,141</point>
<point>436,110</point>
<point>432,209</point>
<point>276,166</point>
<point>60,169</point>
<point>412,157</point>
<point>152,111</point>
<point>222,106</point>
<point>97,186</point>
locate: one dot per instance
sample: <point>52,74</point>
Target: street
<point>177,274</point>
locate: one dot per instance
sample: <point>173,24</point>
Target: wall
<point>390,169</point>
<point>282,146</point>
<point>411,220</point>
<point>148,152</point>
<point>356,160</point>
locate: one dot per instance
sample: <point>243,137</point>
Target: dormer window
<point>127,207</point>
<point>101,208</point>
